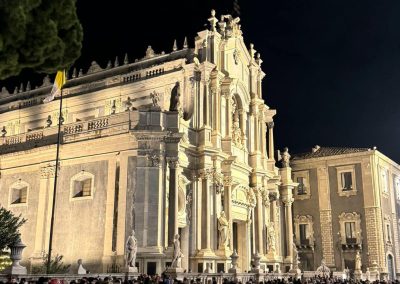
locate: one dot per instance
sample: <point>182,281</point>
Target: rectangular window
<point>19,195</point>
<point>303,232</point>
<point>388,238</point>
<point>347,181</point>
<point>301,188</point>
<point>83,188</point>
<point>350,231</point>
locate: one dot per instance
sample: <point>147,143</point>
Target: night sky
<point>333,67</point>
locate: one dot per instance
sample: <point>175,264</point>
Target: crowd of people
<point>165,279</point>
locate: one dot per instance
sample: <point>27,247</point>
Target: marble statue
<point>131,250</point>
<point>175,95</point>
<point>285,158</point>
<point>271,237</point>
<point>223,228</point>
<point>81,269</point>
<point>295,257</point>
<point>367,274</point>
<point>177,260</point>
<point>358,261</point>
<point>155,98</point>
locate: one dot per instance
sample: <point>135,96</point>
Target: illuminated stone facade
<point>348,200</point>
<point>162,146</point>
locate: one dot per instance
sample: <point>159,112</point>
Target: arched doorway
<point>390,265</point>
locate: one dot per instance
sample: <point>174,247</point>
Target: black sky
<point>333,67</point>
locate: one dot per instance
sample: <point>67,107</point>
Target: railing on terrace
<point>114,124</point>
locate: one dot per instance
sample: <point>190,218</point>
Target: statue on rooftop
<point>175,95</point>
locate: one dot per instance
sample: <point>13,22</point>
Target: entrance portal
<point>241,243</point>
<point>390,267</point>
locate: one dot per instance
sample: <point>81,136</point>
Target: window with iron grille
<point>347,181</point>
<point>301,188</point>
<point>350,231</point>
<point>303,234</point>
<point>83,188</point>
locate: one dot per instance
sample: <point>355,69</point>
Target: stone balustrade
<point>99,127</point>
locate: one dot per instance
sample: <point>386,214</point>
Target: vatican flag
<point>58,83</point>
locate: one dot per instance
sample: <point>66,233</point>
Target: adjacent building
<point>173,143</point>
<point>347,201</point>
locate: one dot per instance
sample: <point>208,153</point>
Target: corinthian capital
<point>287,200</point>
<point>173,162</point>
<point>227,181</point>
<point>270,125</point>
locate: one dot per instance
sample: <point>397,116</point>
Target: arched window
<point>19,193</point>
<point>82,185</point>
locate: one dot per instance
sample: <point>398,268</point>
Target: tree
<point>44,35</point>
<point>9,227</point>
<point>56,265</point>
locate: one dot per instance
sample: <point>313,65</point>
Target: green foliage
<point>44,35</point>
<point>56,265</point>
<point>5,260</point>
<point>9,227</point>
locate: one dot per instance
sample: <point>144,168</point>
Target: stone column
<point>173,198</point>
<point>51,176</point>
<point>289,226</point>
<point>263,141</point>
<point>271,149</point>
<point>206,176</point>
<point>260,223</point>
<point>266,208</point>
<point>228,205</point>
<point>256,133</point>
<point>228,114</point>
<point>207,111</point>
<point>41,211</point>
<point>243,126</point>
<point>197,193</point>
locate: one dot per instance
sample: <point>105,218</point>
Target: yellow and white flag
<point>58,83</point>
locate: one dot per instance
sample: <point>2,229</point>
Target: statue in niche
<point>177,260</point>
<point>223,229</point>
<point>236,131</point>
<point>175,95</point>
<point>271,237</point>
<point>358,261</point>
<point>131,250</point>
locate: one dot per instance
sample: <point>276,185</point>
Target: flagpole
<point>55,184</point>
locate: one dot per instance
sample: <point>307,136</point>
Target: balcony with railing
<point>114,124</point>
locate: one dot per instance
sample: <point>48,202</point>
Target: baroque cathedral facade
<point>173,143</point>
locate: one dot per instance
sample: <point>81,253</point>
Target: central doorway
<point>241,243</point>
